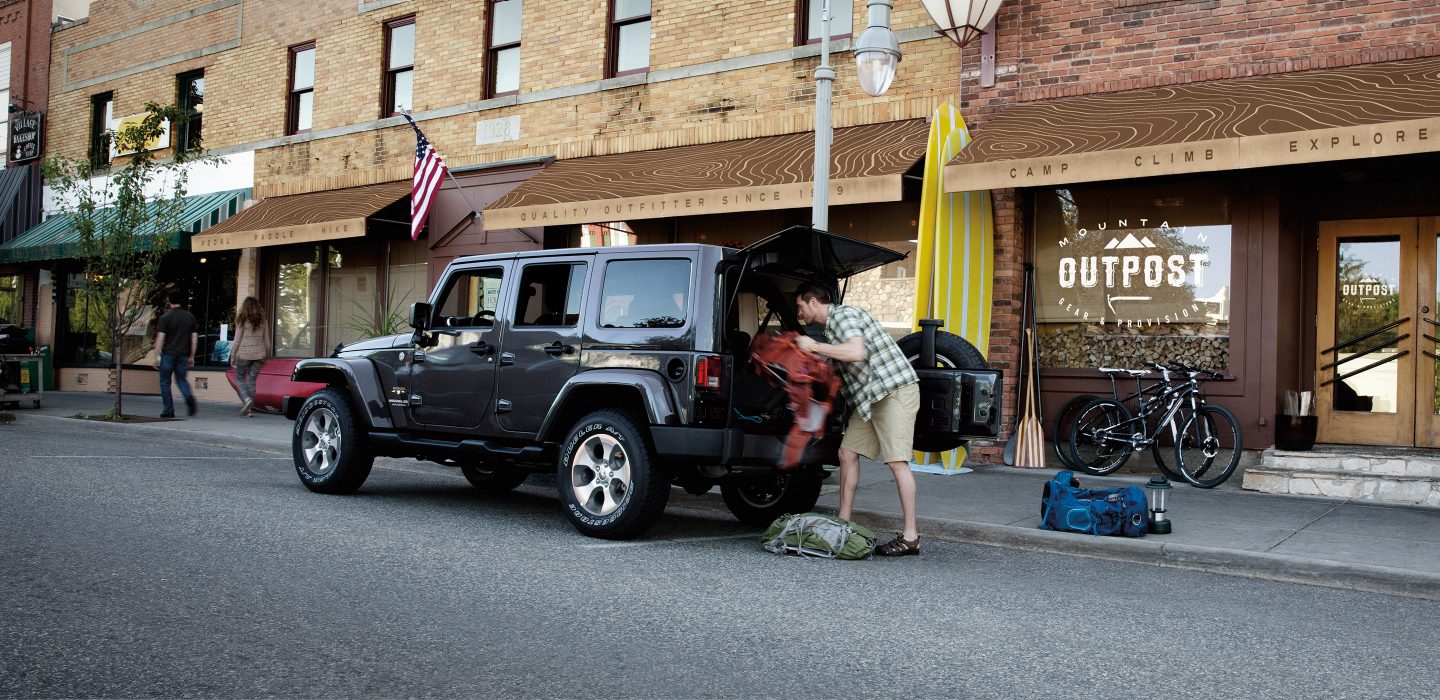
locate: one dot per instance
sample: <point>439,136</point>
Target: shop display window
<point>407,280</point>
<point>1130,274</point>
<point>297,300</point>
<point>10,300</point>
<point>353,297</point>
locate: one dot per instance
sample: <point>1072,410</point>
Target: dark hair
<point>175,297</point>
<point>813,290</point>
<point>250,313</point>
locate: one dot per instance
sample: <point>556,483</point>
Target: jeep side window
<point>470,299</point>
<point>645,294</point>
<point>550,295</point>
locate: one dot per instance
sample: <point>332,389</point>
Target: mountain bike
<point>1065,418</point>
<point>1204,439</point>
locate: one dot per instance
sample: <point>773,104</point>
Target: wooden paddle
<point>1020,392</point>
<point>1030,446</point>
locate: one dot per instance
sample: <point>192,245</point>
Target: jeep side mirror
<point>420,313</point>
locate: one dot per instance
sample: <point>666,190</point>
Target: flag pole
<point>473,209</point>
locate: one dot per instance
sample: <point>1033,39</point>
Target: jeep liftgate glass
<point>1377,330</point>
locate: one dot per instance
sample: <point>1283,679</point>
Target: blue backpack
<point>1068,508</point>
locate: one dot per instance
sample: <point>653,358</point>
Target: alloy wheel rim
<point>320,441</point>
<point>600,474</point>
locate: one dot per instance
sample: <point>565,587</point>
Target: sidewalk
<point>1327,542</point>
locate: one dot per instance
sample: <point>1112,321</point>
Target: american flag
<point>429,173</point>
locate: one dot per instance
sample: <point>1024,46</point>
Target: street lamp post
<point>877,52</point>
<point>824,90</point>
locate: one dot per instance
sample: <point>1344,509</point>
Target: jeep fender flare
<point>653,389</point>
<point>354,376</point>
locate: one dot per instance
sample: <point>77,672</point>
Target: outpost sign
<point>1147,275</point>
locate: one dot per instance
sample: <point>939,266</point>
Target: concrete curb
<point>1149,550</point>
<point>177,434</point>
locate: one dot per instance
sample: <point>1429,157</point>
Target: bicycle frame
<point>1174,399</point>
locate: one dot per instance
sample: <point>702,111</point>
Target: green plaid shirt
<point>884,368</point>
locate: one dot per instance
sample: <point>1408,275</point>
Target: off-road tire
<point>607,479</point>
<point>951,351</point>
<point>331,451</point>
<point>760,501</point>
<point>493,479</point>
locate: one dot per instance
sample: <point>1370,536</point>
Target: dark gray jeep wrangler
<point>623,370</point>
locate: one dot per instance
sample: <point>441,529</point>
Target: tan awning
<point>1366,111</point>
<point>302,218</point>
<point>775,172</point>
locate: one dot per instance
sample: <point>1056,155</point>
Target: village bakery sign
<point>1136,272</point>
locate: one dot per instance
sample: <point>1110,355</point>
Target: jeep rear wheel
<point>493,479</point>
<point>760,501</point>
<point>329,445</point>
<point>607,480</point>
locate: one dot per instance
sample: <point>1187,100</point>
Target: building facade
<point>1245,186</point>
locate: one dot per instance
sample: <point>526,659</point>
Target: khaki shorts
<point>889,435</point>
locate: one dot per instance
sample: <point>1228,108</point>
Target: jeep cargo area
<point>624,371</point>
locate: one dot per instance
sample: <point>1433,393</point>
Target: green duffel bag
<point>818,535</point>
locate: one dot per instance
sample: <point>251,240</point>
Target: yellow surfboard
<point>955,261</point>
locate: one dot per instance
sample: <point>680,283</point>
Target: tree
<point>127,216</point>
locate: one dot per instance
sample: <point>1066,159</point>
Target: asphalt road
<point>137,568</point>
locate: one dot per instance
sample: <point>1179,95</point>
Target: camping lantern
<point>1158,491</point>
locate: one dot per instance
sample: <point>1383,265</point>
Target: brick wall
<point>1046,50</point>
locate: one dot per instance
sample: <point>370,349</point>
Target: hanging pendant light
<point>961,20</point>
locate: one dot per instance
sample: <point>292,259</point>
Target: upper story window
<point>842,13</point>
<point>301,107</point>
<point>102,113</point>
<point>629,37</point>
<point>190,97</point>
<point>502,64</point>
<point>399,66</point>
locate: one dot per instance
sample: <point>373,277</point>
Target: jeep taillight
<point>708,370</point>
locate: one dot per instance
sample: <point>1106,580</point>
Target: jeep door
<point>452,383</point>
<point>542,339</point>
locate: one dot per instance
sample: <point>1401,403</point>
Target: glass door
<point>1427,378</point>
<point>1368,328</point>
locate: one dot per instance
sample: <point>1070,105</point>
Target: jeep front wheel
<point>607,480</point>
<point>761,501</point>
<point>329,444</point>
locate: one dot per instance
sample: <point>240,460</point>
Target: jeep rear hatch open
<point>805,253</point>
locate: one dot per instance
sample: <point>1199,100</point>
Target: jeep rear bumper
<point>734,447</point>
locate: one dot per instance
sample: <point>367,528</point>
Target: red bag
<point>810,383</point>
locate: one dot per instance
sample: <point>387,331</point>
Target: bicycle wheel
<point>1100,438</point>
<point>1064,422</point>
<point>1207,449</point>
<point>1165,438</point>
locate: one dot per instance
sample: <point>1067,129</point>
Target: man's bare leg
<point>849,482</point>
<point>905,482</point>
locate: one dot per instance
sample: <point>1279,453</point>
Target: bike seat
<point>1122,370</point>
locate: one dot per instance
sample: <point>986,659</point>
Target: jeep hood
<point>805,253</point>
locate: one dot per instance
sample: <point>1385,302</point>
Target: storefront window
<point>296,300</point>
<point>87,342</point>
<point>1131,274</point>
<point>351,295</point>
<point>407,280</point>
<point>10,299</point>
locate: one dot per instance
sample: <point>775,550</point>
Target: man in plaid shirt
<point>884,393</point>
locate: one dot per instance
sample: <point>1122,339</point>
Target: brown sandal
<point>898,547</point>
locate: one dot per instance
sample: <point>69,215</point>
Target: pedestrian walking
<point>175,342</point>
<point>250,350</point>
<point>882,390</point>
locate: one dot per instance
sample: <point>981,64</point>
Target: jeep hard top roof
<point>798,252</point>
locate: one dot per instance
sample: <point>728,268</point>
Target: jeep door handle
<point>558,348</point>
<point>481,348</point>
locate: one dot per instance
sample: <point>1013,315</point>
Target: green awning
<point>56,239</point>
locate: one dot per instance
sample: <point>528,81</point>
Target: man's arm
<point>852,350</point>
<point>159,343</point>
<point>194,343</point>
